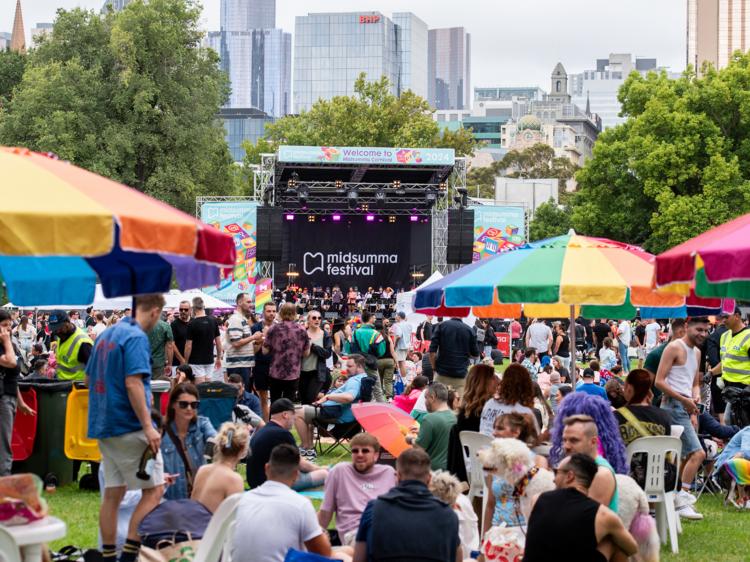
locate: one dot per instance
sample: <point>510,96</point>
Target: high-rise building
<point>332,49</point>
<point>5,38</point>
<point>449,71</point>
<point>715,29</point>
<point>40,29</point>
<point>114,5</point>
<point>257,56</point>
<point>507,93</point>
<point>599,87</point>
<point>18,37</point>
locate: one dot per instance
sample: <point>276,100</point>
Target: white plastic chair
<point>217,540</point>
<point>475,442</point>
<point>9,551</point>
<point>677,430</point>
<point>657,448</point>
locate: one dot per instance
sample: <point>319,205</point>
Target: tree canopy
<point>678,166</point>
<point>130,96</point>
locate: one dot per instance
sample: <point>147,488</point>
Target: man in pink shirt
<point>350,486</point>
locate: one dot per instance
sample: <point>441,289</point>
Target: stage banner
<point>361,155</point>
<point>497,229</point>
<point>361,254</point>
<point>238,219</point>
<point>263,291</point>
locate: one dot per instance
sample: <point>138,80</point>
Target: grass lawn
<point>722,535</point>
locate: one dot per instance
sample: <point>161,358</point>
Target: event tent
<point>405,303</point>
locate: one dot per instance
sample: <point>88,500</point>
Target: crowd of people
<point>306,374</point>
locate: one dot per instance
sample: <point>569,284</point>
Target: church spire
<point>588,104</point>
<point>18,37</point>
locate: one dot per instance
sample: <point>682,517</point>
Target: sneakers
<point>683,498</point>
<point>310,454</point>
<point>688,512</point>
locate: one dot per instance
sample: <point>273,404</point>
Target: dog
<point>511,460</point>
<point>734,477</point>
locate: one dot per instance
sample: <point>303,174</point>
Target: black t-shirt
<point>262,361</point>
<point>656,422</point>
<point>10,375</point>
<point>261,445</point>
<point>601,331</point>
<point>179,333</point>
<point>640,334</point>
<point>202,331</point>
<point>90,322</point>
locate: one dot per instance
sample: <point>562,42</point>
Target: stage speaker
<point>460,236</point>
<point>269,235</point>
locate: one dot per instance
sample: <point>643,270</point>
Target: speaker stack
<point>269,235</point>
<point>460,236</point>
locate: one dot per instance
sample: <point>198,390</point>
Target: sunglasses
<point>556,470</point>
<point>184,310</point>
<point>316,318</point>
<point>363,451</point>
<point>184,404</point>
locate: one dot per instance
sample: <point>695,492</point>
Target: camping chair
<point>340,432</point>
<point>217,402</point>
<point>216,543</point>
<point>657,448</point>
<point>473,442</point>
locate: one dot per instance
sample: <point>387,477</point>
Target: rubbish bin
<point>47,459</point>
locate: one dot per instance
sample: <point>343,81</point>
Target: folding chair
<point>656,449</point>
<point>340,432</point>
<point>473,442</point>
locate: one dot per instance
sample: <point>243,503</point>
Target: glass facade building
<point>243,124</point>
<point>331,50</point>
<point>245,15</point>
<point>449,71</point>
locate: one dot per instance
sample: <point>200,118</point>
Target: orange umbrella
<point>388,423</point>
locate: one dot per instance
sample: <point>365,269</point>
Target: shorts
<point>157,373</point>
<point>311,413</point>
<point>260,380</point>
<point>203,371</point>
<point>121,456</point>
<point>678,416</point>
<point>217,375</point>
<point>304,480</point>
<point>455,383</point>
<point>401,354</point>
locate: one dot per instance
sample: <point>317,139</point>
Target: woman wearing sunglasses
<point>183,440</point>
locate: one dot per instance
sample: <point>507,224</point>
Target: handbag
<point>398,385</point>
<point>186,460</point>
<point>171,551</point>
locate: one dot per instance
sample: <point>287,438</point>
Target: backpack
<point>480,335</point>
<point>420,331</point>
<point>365,388</point>
<point>370,355</point>
<point>493,339</point>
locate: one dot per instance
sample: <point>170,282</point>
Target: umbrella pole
<point>573,350</point>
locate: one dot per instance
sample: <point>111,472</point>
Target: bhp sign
<point>369,19</point>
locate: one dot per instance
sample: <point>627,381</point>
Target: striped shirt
<point>238,329</point>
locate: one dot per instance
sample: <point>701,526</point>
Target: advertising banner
<point>238,219</point>
<point>497,229</point>
<point>362,255</point>
<point>503,343</point>
<point>360,155</point>
<point>263,292</point>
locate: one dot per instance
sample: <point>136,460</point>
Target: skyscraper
<point>449,66</point>
<point>18,38</point>
<point>257,56</point>
<point>715,29</point>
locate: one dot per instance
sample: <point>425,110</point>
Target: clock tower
<point>559,89</point>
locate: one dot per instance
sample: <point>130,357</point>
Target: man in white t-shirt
<point>273,518</point>
<point>539,336</point>
<point>653,329</point>
<point>350,486</point>
<point>623,342</point>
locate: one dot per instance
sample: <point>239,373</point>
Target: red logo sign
<point>369,19</point>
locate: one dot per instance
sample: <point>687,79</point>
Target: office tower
<point>449,68</point>
<point>715,29</point>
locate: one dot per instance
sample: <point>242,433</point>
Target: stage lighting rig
<point>430,197</point>
<point>352,196</point>
<point>392,218</point>
<point>380,197</point>
<point>293,180</point>
<point>399,190</point>
<point>302,192</point>
<point>340,189</point>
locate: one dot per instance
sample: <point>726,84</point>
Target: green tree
<point>12,66</point>
<point>481,180</point>
<point>550,220</point>
<point>679,166</point>
<point>539,162</point>
<point>371,117</point>
<point>130,96</point>
<point>250,161</point>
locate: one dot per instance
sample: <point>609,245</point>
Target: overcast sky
<point>513,43</point>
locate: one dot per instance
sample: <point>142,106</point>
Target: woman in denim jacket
<point>190,428</point>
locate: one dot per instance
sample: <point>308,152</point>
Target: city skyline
<point>513,57</point>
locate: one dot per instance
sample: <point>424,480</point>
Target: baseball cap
<point>56,319</point>
<point>588,373</point>
<point>281,405</point>
<point>402,314</point>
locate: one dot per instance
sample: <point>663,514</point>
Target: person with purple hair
<point>610,444</point>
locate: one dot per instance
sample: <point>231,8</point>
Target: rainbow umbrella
<point>61,227</point>
<point>714,264</point>
<point>386,422</point>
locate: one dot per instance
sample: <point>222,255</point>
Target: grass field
<point>723,534</point>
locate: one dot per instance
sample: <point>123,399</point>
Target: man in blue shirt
<point>118,376</point>
<point>386,529</point>
<point>334,407</point>
<point>589,386</point>
<point>453,344</point>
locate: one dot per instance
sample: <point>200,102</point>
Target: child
<point>633,351</point>
<point>411,393</point>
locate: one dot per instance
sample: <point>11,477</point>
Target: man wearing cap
<point>402,330</point>
<point>589,387</point>
<point>73,349</point>
<point>735,352</point>
<point>276,432</point>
